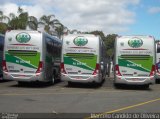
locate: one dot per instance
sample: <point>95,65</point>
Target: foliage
<point>59,29</point>
<point>19,22</point>
<point>100,33</point>
<point>32,22</point>
<point>109,41</point>
<point>3,28</point>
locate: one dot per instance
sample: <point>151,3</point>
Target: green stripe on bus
<point>27,61</point>
<point>86,64</point>
<point>136,64</point>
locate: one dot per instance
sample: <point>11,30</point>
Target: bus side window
<point>57,50</point>
<point>1,43</point>
<point>158,48</point>
<point>49,46</point>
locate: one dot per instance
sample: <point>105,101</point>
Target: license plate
<point>78,77</point>
<point>135,79</point>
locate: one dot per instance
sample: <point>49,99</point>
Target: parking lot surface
<point>78,98</point>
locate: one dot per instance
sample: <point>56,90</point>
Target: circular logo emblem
<point>80,41</point>
<point>23,37</point>
<point>135,42</point>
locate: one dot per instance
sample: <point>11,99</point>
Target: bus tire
<point>52,80</point>
<point>21,83</point>
<point>70,83</point>
<point>146,86</point>
<point>117,86</point>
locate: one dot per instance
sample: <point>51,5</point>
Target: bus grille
<point>15,71</point>
<point>81,55</point>
<point>136,57</point>
<point>72,72</point>
<point>19,75</point>
<point>29,71</point>
<point>22,52</point>
<point>87,73</point>
<point>135,79</point>
<point>79,77</point>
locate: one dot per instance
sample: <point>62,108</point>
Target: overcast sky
<point>123,17</point>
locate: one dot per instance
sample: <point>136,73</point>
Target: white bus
<point>134,60</point>
<point>83,58</point>
<point>31,56</point>
<point>1,53</point>
<point>158,60</point>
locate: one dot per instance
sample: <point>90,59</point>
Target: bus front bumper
<point>80,78</point>
<point>134,80</point>
<point>23,77</point>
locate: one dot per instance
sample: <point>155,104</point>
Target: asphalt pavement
<point>80,99</point>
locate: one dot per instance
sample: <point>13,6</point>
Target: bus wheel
<point>117,85</point>
<point>21,83</point>
<point>146,86</point>
<point>70,83</point>
<point>52,80</point>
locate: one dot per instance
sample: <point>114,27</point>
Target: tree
<point>109,41</point>
<point>3,17</point>
<point>3,27</point>
<point>59,29</point>
<point>100,33</point>
<point>49,23</point>
<point>20,10</point>
<point>74,31</point>
<point>32,23</point>
<point>21,21</point>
